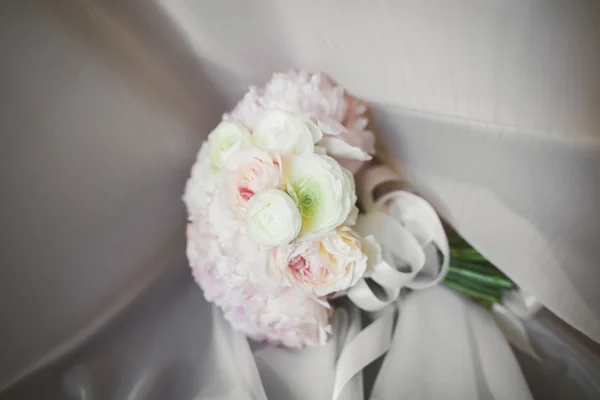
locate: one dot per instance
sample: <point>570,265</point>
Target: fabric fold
<point>446,347</point>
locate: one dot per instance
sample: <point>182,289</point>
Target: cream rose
<point>322,267</point>
<point>285,133</point>
<point>226,139</point>
<point>324,191</point>
<point>273,218</point>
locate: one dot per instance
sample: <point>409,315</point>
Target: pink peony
<point>233,278</point>
<point>200,186</point>
<point>288,318</point>
<point>226,271</point>
<point>340,117</point>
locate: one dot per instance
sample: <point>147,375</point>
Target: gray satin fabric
<point>98,134</point>
<point>490,108</point>
<point>155,350</point>
<point>170,344</point>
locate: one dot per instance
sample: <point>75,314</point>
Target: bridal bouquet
<point>272,201</point>
<point>273,234</point>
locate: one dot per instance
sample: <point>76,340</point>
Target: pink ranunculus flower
<point>243,175</point>
<point>331,264</point>
<point>248,173</point>
<point>340,117</point>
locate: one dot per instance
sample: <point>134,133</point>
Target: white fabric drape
<point>490,108</point>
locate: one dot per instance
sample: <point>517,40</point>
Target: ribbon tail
<point>371,343</point>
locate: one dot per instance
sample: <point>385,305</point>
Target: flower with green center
<point>273,218</point>
<point>324,191</point>
<point>227,139</point>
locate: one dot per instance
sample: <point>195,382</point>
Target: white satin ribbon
<point>371,343</point>
<point>404,224</point>
<point>403,238</point>
<point>523,305</point>
<point>516,307</point>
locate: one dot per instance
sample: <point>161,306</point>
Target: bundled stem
<point>473,275</point>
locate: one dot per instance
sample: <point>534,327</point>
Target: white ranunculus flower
<point>337,147</point>
<point>285,133</point>
<point>226,139</point>
<point>324,190</point>
<point>273,218</point>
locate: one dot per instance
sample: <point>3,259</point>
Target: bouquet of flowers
<point>272,201</point>
<point>272,213</point>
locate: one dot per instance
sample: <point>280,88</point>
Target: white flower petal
<point>273,218</point>
<point>227,139</point>
<point>339,148</point>
<point>285,133</point>
<point>314,130</point>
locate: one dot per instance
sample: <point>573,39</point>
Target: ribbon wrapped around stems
<point>410,234</point>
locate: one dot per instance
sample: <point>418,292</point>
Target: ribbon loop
<point>404,225</point>
<point>410,225</point>
<point>364,297</point>
<point>387,276</point>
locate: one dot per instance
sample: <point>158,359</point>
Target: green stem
<point>456,241</point>
<point>472,293</point>
<point>467,254</point>
<point>473,285</point>
<point>485,279</point>
<point>483,269</point>
<point>473,275</point>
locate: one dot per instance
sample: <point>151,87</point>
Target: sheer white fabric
<point>490,107</point>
